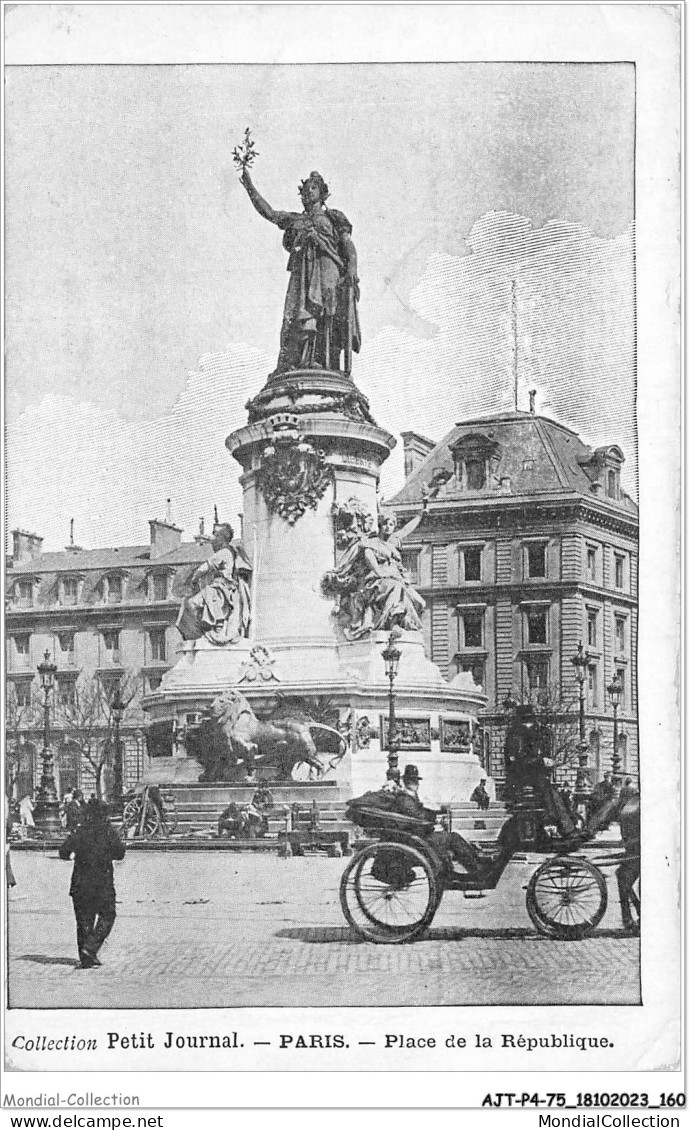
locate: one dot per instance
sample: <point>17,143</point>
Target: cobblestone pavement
<point>219,930</point>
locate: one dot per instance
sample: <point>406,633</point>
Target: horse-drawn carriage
<point>391,889</point>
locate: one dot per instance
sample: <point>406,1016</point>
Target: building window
<point>70,590</point>
<point>537,625</point>
<point>591,563</point>
<point>620,635</point>
<point>160,586</point>
<point>158,646</point>
<point>535,560</point>
<point>592,627</point>
<point>110,684</point>
<point>114,589</point>
<point>476,668</point>
<point>24,592</point>
<point>66,692</point>
<point>537,671</point>
<point>66,642</point>
<point>154,682</point>
<point>472,629</point>
<point>22,648</point>
<point>619,571</point>
<point>611,485</point>
<point>410,562</point>
<point>475,474</point>
<point>471,563</point>
<point>593,685</point>
<point>111,642</point>
<point>22,693</point>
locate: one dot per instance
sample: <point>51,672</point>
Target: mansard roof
<point>529,456</point>
<point>108,560</point>
<point>92,565</point>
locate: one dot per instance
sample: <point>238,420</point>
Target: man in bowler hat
<point>447,842</point>
<point>94,844</point>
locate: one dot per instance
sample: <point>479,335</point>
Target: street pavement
<point>219,929</point>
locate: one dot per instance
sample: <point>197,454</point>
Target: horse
<point>627,812</point>
<point>289,740</point>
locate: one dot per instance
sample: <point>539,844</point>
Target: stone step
<point>221,794</point>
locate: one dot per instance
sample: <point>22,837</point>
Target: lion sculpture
<point>287,741</point>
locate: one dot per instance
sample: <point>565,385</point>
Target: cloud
<point>576,345</point>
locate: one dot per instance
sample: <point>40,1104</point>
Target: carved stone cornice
<point>497,513</point>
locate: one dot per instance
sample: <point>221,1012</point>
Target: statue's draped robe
<point>320,319</point>
<point>221,610</point>
<point>376,592</point>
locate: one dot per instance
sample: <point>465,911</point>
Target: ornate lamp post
<point>581,662</point>
<point>117,708</point>
<point>391,655</point>
<point>47,810</point>
<point>615,694</point>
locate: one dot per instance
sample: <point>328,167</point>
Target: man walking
<point>94,844</point>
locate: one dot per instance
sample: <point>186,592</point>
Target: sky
<point>144,295</point>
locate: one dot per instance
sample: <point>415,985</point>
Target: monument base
<point>436,720</point>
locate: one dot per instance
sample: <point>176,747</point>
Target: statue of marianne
<point>320,325</point>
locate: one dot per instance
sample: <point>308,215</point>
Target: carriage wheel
<point>131,820</point>
<point>130,817</point>
<point>394,907</point>
<point>566,898</point>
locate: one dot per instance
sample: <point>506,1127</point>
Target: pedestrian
<point>94,844</point>
<point>480,796</point>
<point>26,808</point>
<point>73,810</point>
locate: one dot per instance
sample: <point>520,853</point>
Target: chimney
<point>201,538</point>
<point>532,402</point>
<point>25,546</point>
<point>164,538</point>
<point>416,448</point>
<point>72,548</point>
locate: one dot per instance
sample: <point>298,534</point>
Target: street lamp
<point>47,811</point>
<point>582,662</point>
<point>391,656</point>
<point>615,695</point>
<point>117,708</point>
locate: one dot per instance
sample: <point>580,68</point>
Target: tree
<point>23,719</point>
<point>558,715</point>
<point>85,719</point>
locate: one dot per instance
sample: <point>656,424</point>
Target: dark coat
<point>73,813</point>
<point>94,846</point>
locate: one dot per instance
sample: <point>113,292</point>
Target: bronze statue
<point>320,325</point>
<point>220,607</point>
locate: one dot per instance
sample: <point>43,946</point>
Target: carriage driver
<point>447,843</point>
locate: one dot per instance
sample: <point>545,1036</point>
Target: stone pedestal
<point>311,443</point>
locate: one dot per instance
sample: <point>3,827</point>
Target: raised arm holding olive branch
<point>320,325</point>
